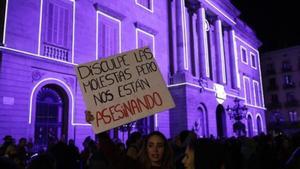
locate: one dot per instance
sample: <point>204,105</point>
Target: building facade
<point>281,70</point>
<point>208,57</point>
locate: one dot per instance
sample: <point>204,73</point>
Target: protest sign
<point>123,88</point>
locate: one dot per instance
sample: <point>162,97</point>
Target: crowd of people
<point>155,151</point>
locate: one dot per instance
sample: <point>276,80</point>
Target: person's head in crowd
<point>133,144</point>
<point>11,151</point>
<point>22,142</point>
<point>8,139</point>
<point>186,136</point>
<point>86,142</point>
<point>189,157</point>
<point>156,152</point>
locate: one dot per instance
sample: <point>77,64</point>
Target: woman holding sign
<point>156,152</point>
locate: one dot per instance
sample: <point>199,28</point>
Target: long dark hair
<point>167,160</point>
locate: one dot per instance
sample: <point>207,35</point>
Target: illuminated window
<point>293,116</point>
<point>108,35</point>
<point>257,93</point>
<point>146,4</point>
<point>145,39</point>
<point>253,60</point>
<point>247,90</point>
<point>244,55</point>
<point>57,29</point>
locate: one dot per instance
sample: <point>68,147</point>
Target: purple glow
<point>242,48</point>
<point>141,5</point>
<point>170,40</point>
<point>97,33</point>
<point>4,26</point>
<point>236,60</point>
<point>251,60</point>
<point>245,78</point>
<point>255,83</point>
<point>40,28</point>
<point>184,32</point>
<point>210,3</point>
<point>137,31</point>
<point>258,61</point>
<point>222,52</point>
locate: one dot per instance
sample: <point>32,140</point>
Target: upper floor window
<point>253,60</point>
<point>108,35</point>
<point>286,66</point>
<point>256,93</point>
<point>57,29</point>
<point>288,82</point>
<point>247,90</point>
<point>293,116</point>
<point>244,55</point>
<point>146,4</point>
<point>145,39</point>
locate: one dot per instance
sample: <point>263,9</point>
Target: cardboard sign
<point>123,88</point>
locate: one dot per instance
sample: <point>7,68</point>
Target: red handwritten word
<point>129,108</point>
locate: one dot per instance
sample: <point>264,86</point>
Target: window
<point>146,4</point>
<point>247,90</point>
<point>253,60</point>
<point>288,82</point>
<point>244,55</point>
<point>256,93</point>
<point>293,116</point>
<point>57,29</point>
<point>145,39</point>
<point>108,35</point>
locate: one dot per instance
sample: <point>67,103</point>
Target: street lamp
<point>237,113</point>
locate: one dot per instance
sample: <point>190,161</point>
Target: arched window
<point>259,127</point>
<point>221,121</point>
<point>249,125</point>
<point>51,115</point>
<point>202,129</point>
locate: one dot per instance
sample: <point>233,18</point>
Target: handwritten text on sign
<point>123,88</point>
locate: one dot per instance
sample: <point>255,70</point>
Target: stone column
<point>180,34</point>
<point>233,60</point>
<point>202,43</point>
<point>220,59</point>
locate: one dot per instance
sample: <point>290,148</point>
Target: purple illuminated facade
<point>207,55</point>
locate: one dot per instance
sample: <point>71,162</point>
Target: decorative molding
<point>145,28</point>
<point>109,11</point>
<point>36,75</point>
<point>69,81</point>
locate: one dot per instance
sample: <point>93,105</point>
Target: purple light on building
<point>207,55</point>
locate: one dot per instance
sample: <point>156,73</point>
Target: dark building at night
<point>281,69</point>
<point>207,55</point>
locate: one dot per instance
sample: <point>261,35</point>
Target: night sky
<point>276,23</point>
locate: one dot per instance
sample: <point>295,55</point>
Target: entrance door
<point>221,121</point>
<point>51,116</point>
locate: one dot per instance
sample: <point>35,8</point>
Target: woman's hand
<point>89,117</point>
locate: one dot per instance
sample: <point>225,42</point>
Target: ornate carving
<point>36,75</point>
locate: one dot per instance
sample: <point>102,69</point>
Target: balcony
<point>291,103</point>
<point>290,85</point>
<point>274,105</point>
<point>56,52</point>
